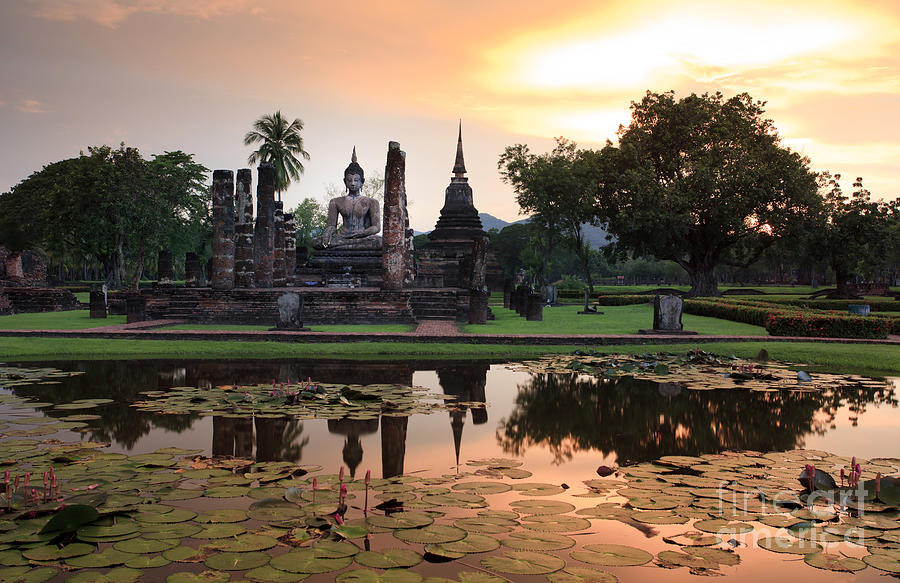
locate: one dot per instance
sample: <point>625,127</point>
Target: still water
<point>562,426</point>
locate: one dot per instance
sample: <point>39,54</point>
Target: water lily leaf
<point>236,561</point>
<point>537,541</point>
<point>186,554</point>
<point>537,489</point>
<point>723,527</point>
<point>170,531</point>
<point>719,556</point>
<point>457,499</point>
<point>266,574</point>
<point>388,558</point>
<point>147,562</point>
<point>204,577</point>
<point>581,575</point>
<point>780,544</point>
<point>119,575</point>
<point>612,555</point>
<point>173,516</point>
<point>105,558</point>
<point>350,531</point>
<point>473,543</point>
<point>479,577</point>
<point>834,562</point>
<point>54,553</point>
<point>555,523</point>
<point>274,510</point>
<point>220,530</point>
<point>883,561</point>
<point>400,520</point>
<point>485,524</point>
<point>143,546</point>
<point>70,519</point>
<point>226,491</point>
<point>329,549</point>
<point>523,563</point>
<point>673,559</point>
<point>482,487</point>
<point>245,543</point>
<point>659,517</point>
<point>541,506</point>
<point>27,574</point>
<point>222,515</point>
<point>390,576</point>
<point>306,561</point>
<point>433,534</point>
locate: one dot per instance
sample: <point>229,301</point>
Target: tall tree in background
<point>310,220</point>
<point>557,189</point>
<point>281,144</point>
<point>702,181</point>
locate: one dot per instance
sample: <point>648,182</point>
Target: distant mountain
<point>596,236</point>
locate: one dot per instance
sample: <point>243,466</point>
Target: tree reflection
<point>641,420</point>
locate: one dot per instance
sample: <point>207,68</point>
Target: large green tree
<point>110,206</point>
<point>702,181</point>
<point>280,144</point>
<point>557,188</point>
<point>310,220</point>
<point>855,235</point>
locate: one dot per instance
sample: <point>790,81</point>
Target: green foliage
<point>702,181</point>
<point>557,188</point>
<point>110,206</point>
<point>280,144</point>
<point>310,219</point>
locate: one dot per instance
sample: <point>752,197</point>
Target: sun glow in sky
<point>167,74</point>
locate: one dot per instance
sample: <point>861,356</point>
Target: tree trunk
<point>138,268</point>
<point>703,279</point>
<point>841,277</point>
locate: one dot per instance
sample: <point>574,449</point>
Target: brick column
<point>278,279</point>
<point>243,230</point>
<point>397,258</point>
<point>290,250</point>
<point>221,274</point>
<point>264,233</point>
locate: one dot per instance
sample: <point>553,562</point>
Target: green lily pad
<point>27,574</point>
<point>142,546</point>
<point>306,561</point>
<point>170,531</point>
<point>692,538</point>
<point>482,487</point>
<point>203,577</point>
<point>275,510</point>
<point>388,558</point>
<point>266,574</point>
<point>147,562</point>
<point>226,491</point>
<point>486,524</point>
<point>555,523</point>
<point>53,553</point>
<point>723,527</point>
<point>220,530</point>
<point>177,515</point>
<point>834,562</point>
<point>106,558</point>
<point>780,544</point>
<point>433,534</point>
<point>541,506</point>
<point>581,575</point>
<point>537,489</point>
<point>245,543</point>
<point>350,531</point>
<point>390,576</point>
<point>119,575</point>
<point>236,561</point>
<point>400,520</point>
<point>523,563</point>
<point>884,562</point>
<point>612,555</point>
<point>473,543</point>
<point>538,541</point>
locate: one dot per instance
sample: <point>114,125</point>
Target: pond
<point>537,432</point>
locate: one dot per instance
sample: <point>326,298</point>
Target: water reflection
<point>562,413</point>
<point>641,420</point>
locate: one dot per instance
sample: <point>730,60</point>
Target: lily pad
<point>538,541</point>
<point>523,563</point>
<point>266,574</point>
<point>612,555</point>
<point>541,506</point>
<point>400,520</point>
<point>390,576</point>
<point>306,561</point>
<point>204,577</point>
<point>555,523</point>
<point>433,534</point>
<point>581,575</point>
<point>834,562</point>
<point>388,558</point>
<point>473,543</point>
<point>780,544</point>
<point>237,561</point>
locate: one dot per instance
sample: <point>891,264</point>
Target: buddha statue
<point>360,216</point>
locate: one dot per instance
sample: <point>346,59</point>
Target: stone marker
<point>98,301</point>
<point>290,312</point>
<point>221,273</point>
<point>193,274</point>
<point>534,307</point>
<point>667,313</point>
<point>165,269</point>
<point>551,294</point>
<point>135,308</point>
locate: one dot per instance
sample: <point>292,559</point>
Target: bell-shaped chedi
<point>445,260</point>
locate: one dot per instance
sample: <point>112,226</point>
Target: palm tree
<point>281,144</point>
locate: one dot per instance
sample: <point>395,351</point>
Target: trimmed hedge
<point>624,300</point>
<point>790,321</point>
<point>887,305</point>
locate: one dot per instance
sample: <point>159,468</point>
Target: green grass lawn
<point>68,320</point>
<point>613,320</point>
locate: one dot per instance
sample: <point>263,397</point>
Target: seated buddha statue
<point>360,216</point>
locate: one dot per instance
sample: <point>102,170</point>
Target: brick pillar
<point>243,230</point>
<point>278,279</point>
<point>222,265</point>
<point>264,233</point>
<point>165,271</point>
<point>290,250</point>
<point>534,310</point>
<point>396,270</point>
<point>98,301</point>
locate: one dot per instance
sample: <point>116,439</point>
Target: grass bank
<point>876,360</point>
<point>68,320</point>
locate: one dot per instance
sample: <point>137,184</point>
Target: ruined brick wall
<point>27,269</point>
<point>259,306</point>
<point>5,304</point>
<point>22,300</point>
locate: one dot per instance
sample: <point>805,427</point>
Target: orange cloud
<point>30,106</point>
<point>111,13</point>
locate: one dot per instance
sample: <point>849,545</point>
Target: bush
<point>623,300</point>
<point>814,324</point>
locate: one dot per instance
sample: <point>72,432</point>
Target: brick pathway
<point>437,328</point>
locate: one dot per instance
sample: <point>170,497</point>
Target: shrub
<point>814,324</point>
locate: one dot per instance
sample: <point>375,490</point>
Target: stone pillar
<point>396,270</point>
<point>264,233</point>
<point>165,270</point>
<point>507,292</point>
<point>478,305</point>
<point>667,313</point>
<point>222,265</point>
<point>535,309</point>
<point>243,230</point>
<point>522,293</point>
<point>290,312</point>
<point>290,250</point>
<point>98,301</point>
<point>278,279</point>
<point>193,275</point>
<point>135,308</point>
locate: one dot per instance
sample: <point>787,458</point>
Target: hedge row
<point>624,300</point>
<point>791,321</point>
<point>886,305</point>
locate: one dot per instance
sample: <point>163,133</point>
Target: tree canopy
<point>281,144</point>
<point>702,181</point>
<point>111,206</point>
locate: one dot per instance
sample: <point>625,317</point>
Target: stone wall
<point>259,306</point>
<point>20,300</point>
<point>25,268</point>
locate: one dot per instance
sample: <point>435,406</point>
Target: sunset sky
<point>194,74</point>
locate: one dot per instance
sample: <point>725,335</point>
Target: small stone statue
<point>361,216</point>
